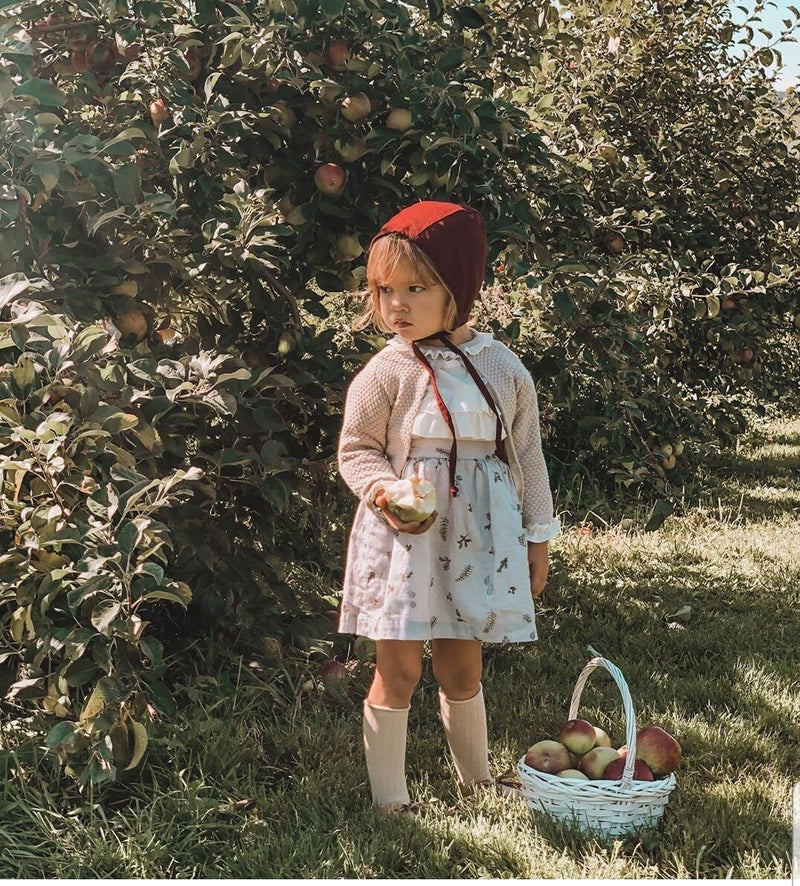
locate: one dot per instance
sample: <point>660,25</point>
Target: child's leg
<point>457,666</point>
<point>397,672</point>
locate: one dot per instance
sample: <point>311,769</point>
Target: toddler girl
<point>458,408</point>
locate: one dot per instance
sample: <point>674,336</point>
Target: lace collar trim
<point>479,342</point>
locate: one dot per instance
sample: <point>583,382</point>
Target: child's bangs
<point>388,252</point>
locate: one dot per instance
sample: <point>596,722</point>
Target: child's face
<point>410,305</point>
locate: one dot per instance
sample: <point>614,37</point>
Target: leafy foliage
<point>188,191</point>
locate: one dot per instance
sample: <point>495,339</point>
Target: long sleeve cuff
<point>539,532</point>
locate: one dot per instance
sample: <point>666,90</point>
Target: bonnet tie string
<point>499,448</point>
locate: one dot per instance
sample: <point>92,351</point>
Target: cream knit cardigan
<point>384,398</point>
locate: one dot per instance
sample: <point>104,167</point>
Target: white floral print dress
<point>467,576</point>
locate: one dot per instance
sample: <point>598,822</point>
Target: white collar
<point>478,342</point>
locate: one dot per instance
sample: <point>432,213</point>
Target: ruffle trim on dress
<point>539,532</point>
<point>469,425</point>
<point>475,345</point>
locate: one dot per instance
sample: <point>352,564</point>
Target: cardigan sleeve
<point>363,462</point>
<point>538,519</point>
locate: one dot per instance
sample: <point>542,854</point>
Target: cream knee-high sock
<point>465,728</point>
<point>385,732</point>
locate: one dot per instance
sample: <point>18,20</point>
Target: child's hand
<point>412,528</point>
<point>538,565</point>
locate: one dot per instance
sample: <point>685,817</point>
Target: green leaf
<point>61,733</point>
<point>139,744</point>
<point>104,615</point>
<point>43,91</point>
<point>128,537</point>
<point>453,58</point>
<point>564,303</point>
<point>48,171</point>
<point>80,672</point>
<point>332,8</point>
<point>176,592</point>
<point>661,510</point>
<point>128,184</point>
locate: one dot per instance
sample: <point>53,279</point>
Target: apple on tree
<point>158,112</point>
<point>356,107</point>
<point>399,119</point>
<point>330,179</point>
<point>337,55</point>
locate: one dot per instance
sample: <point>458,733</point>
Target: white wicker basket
<point>600,808</point>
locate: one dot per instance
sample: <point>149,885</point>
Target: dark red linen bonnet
<point>453,237</point>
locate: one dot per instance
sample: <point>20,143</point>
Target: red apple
<point>330,179</point>
<point>548,756</point>
<point>595,761</point>
<point>356,107</point>
<point>337,55</point>
<point>399,119</point>
<point>158,112</point>
<point>613,772</point>
<point>658,749</point>
<point>601,738</point>
<point>577,736</point>
<point>79,59</point>
<point>623,751</point>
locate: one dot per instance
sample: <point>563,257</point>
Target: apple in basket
<point>577,736</point>
<point>573,773</point>
<point>601,739</point>
<point>658,749</point>
<point>613,772</point>
<point>595,761</point>
<point>411,500</point>
<point>548,756</point>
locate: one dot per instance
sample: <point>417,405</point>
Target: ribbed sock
<point>465,728</point>
<point>385,731</point>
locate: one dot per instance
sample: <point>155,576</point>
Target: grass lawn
<point>264,776</point>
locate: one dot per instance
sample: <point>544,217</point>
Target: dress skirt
<point>465,578</point>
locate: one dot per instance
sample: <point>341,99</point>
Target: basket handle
<point>627,706</point>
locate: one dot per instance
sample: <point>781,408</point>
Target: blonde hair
<point>384,256</point>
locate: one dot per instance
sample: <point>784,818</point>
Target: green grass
<point>265,778</point>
